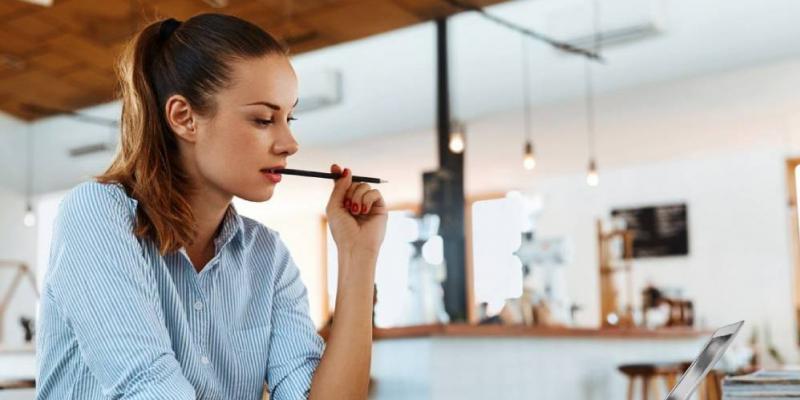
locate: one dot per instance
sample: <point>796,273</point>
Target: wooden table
<point>17,384</point>
<point>468,330</point>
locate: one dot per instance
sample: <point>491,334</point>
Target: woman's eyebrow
<point>271,105</point>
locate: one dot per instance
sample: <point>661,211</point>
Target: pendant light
<point>30,217</point>
<point>529,158</point>
<point>592,174</point>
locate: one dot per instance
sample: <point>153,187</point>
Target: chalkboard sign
<point>658,231</point>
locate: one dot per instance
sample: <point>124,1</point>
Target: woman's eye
<point>266,122</point>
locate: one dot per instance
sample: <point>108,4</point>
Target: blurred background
<point>581,190</point>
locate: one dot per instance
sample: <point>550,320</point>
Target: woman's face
<point>249,130</point>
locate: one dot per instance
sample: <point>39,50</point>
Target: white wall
<point>739,265</point>
<point>17,242</point>
<point>12,153</point>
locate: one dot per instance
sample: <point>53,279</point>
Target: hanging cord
<point>589,108</point>
<point>29,167</point>
<point>526,100</point>
<point>590,117</point>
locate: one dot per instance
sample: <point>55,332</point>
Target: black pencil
<point>327,175</point>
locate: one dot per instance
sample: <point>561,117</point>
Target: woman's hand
<point>356,214</point>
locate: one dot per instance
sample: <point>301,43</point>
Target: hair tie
<point>167,27</point>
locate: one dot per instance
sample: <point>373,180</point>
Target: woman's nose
<point>286,144</point>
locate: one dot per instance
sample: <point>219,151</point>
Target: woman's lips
<point>274,178</point>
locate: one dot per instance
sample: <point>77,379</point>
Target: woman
<point>157,288</point>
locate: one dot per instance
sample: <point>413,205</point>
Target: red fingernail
<point>347,203</point>
<point>346,172</point>
<point>355,207</point>
<point>363,208</point>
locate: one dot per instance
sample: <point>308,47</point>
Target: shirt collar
<point>232,225</point>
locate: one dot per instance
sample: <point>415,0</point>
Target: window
<point>391,275</point>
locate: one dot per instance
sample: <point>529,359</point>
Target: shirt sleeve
<point>295,347</point>
<point>104,289</point>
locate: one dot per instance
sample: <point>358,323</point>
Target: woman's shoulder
<point>255,230</point>
<point>93,198</point>
<point>257,235</point>
<point>265,245</point>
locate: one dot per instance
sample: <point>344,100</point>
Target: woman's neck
<point>209,207</point>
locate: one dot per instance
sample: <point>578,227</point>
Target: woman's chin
<point>257,196</point>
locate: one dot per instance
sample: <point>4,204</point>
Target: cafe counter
<point>517,362</point>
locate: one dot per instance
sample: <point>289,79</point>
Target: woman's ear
<point>181,118</point>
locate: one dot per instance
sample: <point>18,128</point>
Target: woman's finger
<point>348,197</point>
<point>372,198</point>
<point>340,186</point>
<point>357,199</point>
<point>348,194</point>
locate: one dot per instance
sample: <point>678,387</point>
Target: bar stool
<point>650,374</point>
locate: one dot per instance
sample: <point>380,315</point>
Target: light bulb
<point>457,142</point>
<point>30,217</point>
<point>592,177</point>
<point>529,162</point>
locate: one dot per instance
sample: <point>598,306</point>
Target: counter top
<point>467,330</point>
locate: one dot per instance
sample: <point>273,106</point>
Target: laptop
<point>711,353</point>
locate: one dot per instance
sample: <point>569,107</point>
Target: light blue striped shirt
<point>120,321</point>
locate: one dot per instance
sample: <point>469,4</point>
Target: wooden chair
<point>668,373</point>
<point>711,388</point>
<point>650,374</point>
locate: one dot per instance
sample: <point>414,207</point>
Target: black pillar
<point>450,196</point>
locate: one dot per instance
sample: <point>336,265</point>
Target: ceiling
<point>62,56</point>
<point>395,93</point>
<point>389,82</point>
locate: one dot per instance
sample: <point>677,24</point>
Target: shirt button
<point>204,360</point>
<point>198,305</point>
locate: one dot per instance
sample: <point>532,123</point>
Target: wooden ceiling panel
<point>62,56</point>
<point>28,88</point>
<point>10,8</point>
<point>36,27</point>
<point>83,48</point>
<point>286,8</point>
<point>52,61</point>
<point>427,10</point>
<point>360,19</point>
<point>77,15</point>
<point>179,9</point>
<point>92,79</point>
<point>15,44</point>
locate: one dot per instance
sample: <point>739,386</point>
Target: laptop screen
<point>711,353</point>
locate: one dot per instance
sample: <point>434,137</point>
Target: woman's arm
<point>357,217</point>
<point>99,286</point>
<point>343,372</point>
